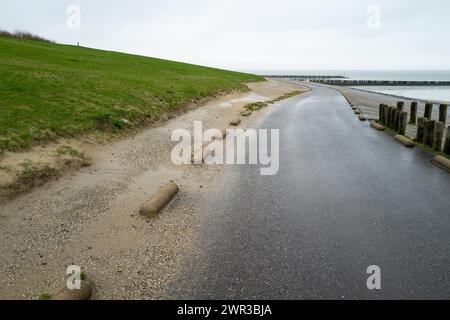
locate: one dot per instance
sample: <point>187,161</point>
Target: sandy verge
<point>22,171</point>
<point>90,217</point>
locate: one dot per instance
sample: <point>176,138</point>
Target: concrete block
<point>405,141</point>
<point>159,201</point>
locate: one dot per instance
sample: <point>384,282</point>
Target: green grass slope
<point>49,90</point>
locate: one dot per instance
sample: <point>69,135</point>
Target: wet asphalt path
<point>346,197</point>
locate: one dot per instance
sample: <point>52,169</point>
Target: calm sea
<point>424,93</point>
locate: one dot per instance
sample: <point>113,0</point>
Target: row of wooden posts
<point>429,132</point>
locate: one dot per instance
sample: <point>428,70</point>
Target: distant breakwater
<point>305,77</point>
<point>350,82</point>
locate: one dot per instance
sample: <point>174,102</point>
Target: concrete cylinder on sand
<point>442,162</point>
<point>405,141</point>
<point>223,134</point>
<point>235,122</point>
<point>159,201</point>
<point>377,126</point>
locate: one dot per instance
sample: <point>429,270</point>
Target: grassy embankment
<point>49,91</point>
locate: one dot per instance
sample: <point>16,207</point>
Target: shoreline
<point>401,97</point>
<point>368,103</point>
<point>343,88</point>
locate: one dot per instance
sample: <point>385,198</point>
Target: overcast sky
<point>251,34</point>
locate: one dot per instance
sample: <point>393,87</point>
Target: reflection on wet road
<point>346,197</point>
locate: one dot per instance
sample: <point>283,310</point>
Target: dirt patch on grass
<point>22,172</point>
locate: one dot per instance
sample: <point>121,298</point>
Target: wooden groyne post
<point>428,110</point>
<point>392,117</point>
<point>397,120</point>
<point>386,114</point>
<point>398,113</point>
<point>389,118</point>
<point>439,129</point>
<point>413,113</point>
<point>429,133</point>
<point>402,123</point>
<point>443,113</point>
<point>421,129</point>
<point>342,81</point>
<point>447,142</point>
<point>381,113</point>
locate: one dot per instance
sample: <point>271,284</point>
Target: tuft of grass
<point>50,91</point>
<point>45,296</point>
<point>108,122</point>
<point>256,106</point>
<point>288,95</point>
<point>68,150</point>
<point>31,175</point>
<point>77,159</point>
<point>259,105</point>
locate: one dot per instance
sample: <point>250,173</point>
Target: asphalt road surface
<point>346,197</point>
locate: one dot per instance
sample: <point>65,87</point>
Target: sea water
<point>433,93</point>
<point>441,94</point>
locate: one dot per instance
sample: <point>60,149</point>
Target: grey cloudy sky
<point>252,34</point>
